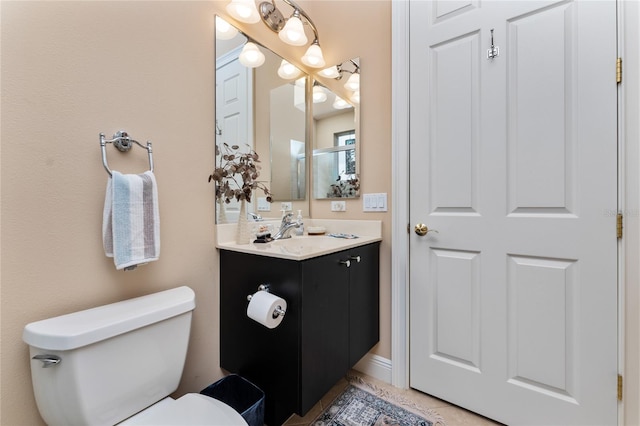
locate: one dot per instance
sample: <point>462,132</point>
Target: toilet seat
<point>192,409</point>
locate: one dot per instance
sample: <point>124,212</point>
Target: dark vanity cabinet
<point>332,321</point>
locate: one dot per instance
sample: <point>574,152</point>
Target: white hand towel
<point>130,222</point>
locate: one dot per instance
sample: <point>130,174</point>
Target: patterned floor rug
<point>364,404</point>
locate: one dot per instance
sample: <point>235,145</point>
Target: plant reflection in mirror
<point>344,188</point>
<point>236,175</point>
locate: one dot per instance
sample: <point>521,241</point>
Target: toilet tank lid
<point>83,328</point>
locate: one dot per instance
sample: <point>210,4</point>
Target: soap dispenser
<point>300,229</point>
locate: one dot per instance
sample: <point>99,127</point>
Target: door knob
<point>422,230</point>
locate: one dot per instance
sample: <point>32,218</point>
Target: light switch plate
<point>263,204</point>
<point>374,202</point>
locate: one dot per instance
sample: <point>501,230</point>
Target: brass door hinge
<point>619,387</point>
<point>619,70</point>
<point>619,225</point>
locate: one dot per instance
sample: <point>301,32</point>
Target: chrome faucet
<point>286,226</point>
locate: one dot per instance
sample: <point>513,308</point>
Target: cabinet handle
<point>346,263</point>
<point>356,258</point>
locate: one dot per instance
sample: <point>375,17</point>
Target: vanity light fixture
<point>288,71</point>
<point>293,32</point>
<point>244,11</point>
<point>340,103</point>
<point>353,83</point>
<point>224,30</point>
<point>313,57</point>
<point>331,72</point>
<point>251,56</point>
<point>319,94</point>
<point>290,31</point>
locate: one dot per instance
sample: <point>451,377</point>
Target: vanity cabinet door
<point>325,326</point>
<point>364,301</point>
<point>269,358</point>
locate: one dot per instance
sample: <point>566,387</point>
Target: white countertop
<point>306,246</point>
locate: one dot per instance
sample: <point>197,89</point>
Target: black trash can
<point>242,395</point>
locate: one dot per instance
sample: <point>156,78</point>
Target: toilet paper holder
<point>278,311</point>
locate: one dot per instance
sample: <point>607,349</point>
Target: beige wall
<point>71,70</point>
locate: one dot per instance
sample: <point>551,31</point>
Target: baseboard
<point>375,366</point>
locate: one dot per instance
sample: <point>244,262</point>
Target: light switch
<point>374,202</point>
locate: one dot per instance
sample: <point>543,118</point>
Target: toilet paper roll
<point>262,307</point>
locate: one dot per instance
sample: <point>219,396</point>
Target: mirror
<point>261,108</point>
<point>336,127</point>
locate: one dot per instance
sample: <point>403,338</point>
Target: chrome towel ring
<point>123,142</point>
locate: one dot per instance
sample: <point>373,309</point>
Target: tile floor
<point>453,415</point>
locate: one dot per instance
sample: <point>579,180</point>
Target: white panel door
<point>513,303</point>
<point>234,118</point>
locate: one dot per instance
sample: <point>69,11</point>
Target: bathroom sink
<point>307,244</point>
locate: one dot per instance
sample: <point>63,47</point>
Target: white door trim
<point>400,193</point>
<point>629,195</point>
<point>629,201</point>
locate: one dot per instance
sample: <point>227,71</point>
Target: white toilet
<point>117,364</point>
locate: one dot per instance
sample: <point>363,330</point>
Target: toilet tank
<point>115,360</point>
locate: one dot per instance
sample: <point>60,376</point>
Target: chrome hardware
<point>271,16</point>
<point>493,51</point>
<point>123,143</point>
<point>278,311</point>
<point>261,287</point>
<point>422,230</point>
<point>48,360</point>
<point>286,226</point>
<point>356,258</point>
<point>346,263</point>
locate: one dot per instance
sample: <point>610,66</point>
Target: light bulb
<point>293,32</point>
<point>319,95</point>
<point>353,83</point>
<point>355,98</point>
<point>251,56</point>
<point>224,30</point>
<point>288,71</point>
<point>313,57</point>
<point>244,11</point>
<point>331,72</point>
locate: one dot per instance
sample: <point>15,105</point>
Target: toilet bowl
<point>192,409</point>
<point>118,364</point>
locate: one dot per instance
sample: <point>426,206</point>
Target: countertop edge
<point>261,249</point>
